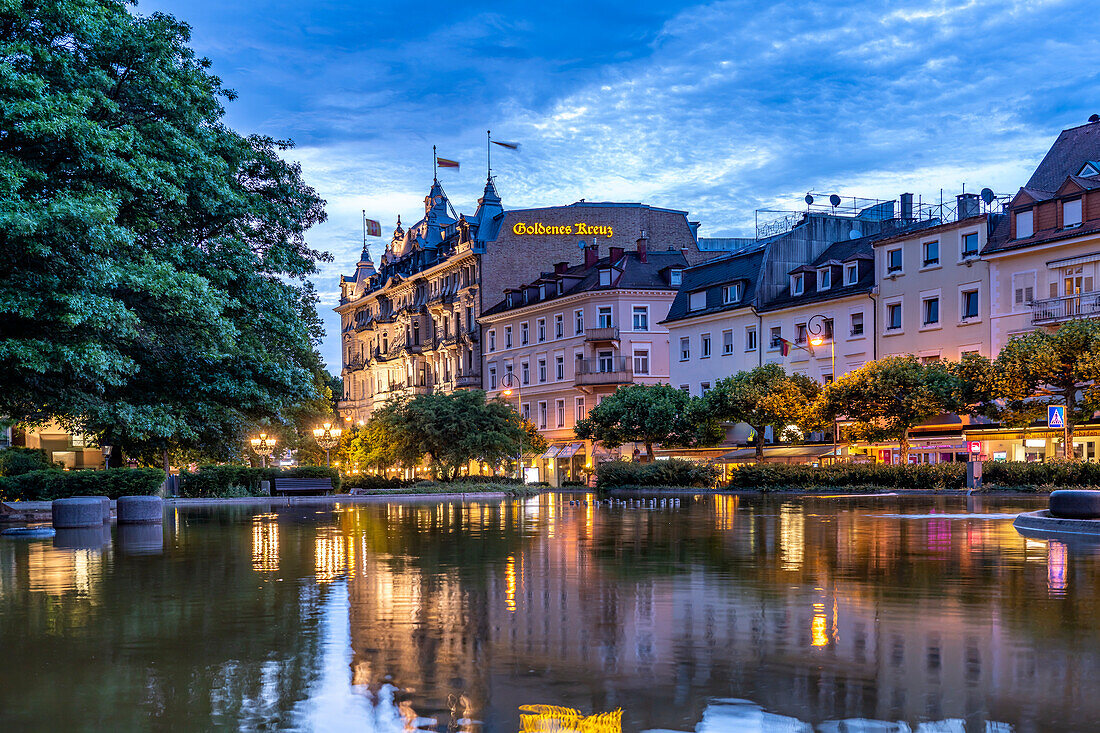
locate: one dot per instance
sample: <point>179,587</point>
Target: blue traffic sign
<point>1056,416</point>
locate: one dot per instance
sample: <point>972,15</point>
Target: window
<point>559,326</point>
<point>732,293</point>
<point>970,244</point>
<point>800,333</point>
<point>797,284</point>
<point>969,304</point>
<point>1023,288</point>
<point>1025,224</point>
<point>851,274</point>
<point>893,261</point>
<point>641,318</point>
<point>776,337</point>
<point>542,416</point>
<point>604,316</point>
<point>825,278</point>
<point>492,377</point>
<point>931,254</point>
<point>857,324</point>
<point>526,411</point>
<point>931,311</point>
<point>826,378</point>
<point>541,329</point>
<point>685,389</point>
<point>893,317</point>
<point>697,301</point>
<point>727,342</point>
<point>524,334</point>
<point>469,318</point>
<point>559,367</point>
<point>560,404</point>
<point>685,348</point>
<point>704,346</point>
<point>1071,213</point>
<point>605,276</point>
<point>641,361</point>
<point>750,338</point>
<point>578,405</point>
<point>675,277</point>
<point>492,340</point>
<point>507,337</point>
<point>578,321</point>
<point>542,292</point>
<point>542,371</point>
<point>606,361</point>
<point>704,387</point>
<point>525,372</point>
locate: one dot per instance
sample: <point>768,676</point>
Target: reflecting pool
<point>713,613</point>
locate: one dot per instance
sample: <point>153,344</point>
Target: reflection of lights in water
<point>329,557</point>
<point>510,584</point>
<point>552,719</point>
<point>265,543</point>
<point>791,537</point>
<point>57,571</point>
<point>589,510</point>
<point>818,634</point>
<point>1056,568</point>
<point>725,507</point>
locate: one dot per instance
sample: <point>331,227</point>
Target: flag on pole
<point>444,163</point>
<point>371,227</point>
<point>784,346</point>
<point>506,144</point>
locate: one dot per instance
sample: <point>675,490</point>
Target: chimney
<point>907,206</point>
<point>616,254</point>
<point>643,247</point>
<point>560,268</point>
<point>591,255</point>
<point>968,204</point>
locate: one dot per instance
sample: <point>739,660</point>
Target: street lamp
<point>328,438</point>
<point>264,446</point>
<point>510,385</point>
<point>106,455</point>
<point>817,338</point>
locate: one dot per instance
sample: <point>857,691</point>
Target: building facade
<point>557,345</point>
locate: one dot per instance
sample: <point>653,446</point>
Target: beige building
<point>556,346</point>
<point>72,450</point>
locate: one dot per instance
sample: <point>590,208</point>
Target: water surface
<point>721,613</point>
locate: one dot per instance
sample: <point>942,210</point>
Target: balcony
<point>1065,308</point>
<point>468,381</point>
<point>594,372</point>
<point>602,335</point>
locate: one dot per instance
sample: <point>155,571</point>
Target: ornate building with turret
<point>410,326</point>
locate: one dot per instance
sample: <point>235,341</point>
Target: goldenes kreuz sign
<point>580,228</point>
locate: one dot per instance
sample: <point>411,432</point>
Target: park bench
<point>288,486</point>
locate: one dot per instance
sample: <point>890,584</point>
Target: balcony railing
<point>614,370</point>
<point>1065,308</point>
<point>595,335</point>
<point>468,381</point>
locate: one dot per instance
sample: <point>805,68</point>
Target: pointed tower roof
<point>437,207</point>
<point>489,207</point>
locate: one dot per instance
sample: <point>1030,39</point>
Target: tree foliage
<point>764,396</point>
<point>152,260</point>
<point>649,414</point>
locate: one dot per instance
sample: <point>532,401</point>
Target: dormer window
<point>732,293</point>
<point>697,301</point>
<point>561,287</point>
<point>510,300</point>
<point>675,276</point>
<point>1089,169</point>
<point>525,296</point>
<point>1071,213</point>
<point>605,276</point>
<point>797,284</point>
<point>1025,224</point>
<point>542,292</point>
<point>851,274</point>
<point>825,278</point>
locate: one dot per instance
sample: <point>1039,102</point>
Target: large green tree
<point>649,414</point>
<point>1042,368</point>
<point>152,261</point>
<point>764,396</point>
<point>888,397</point>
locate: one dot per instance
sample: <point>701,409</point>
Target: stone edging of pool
<point>1041,521</point>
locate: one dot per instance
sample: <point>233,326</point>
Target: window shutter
<point>1029,294</point>
<point>1054,290</point>
<point>1088,284</point>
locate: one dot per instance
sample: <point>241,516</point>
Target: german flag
<point>444,163</point>
<point>784,346</point>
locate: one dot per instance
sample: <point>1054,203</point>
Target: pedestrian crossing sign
<point>1056,416</point>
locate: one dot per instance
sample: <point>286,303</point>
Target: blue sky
<point>716,108</point>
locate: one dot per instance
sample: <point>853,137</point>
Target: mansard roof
<point>1068,155</point>
<point>742,267</point>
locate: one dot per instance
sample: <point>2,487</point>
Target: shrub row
<point>52,484</point>
<point>213,481</point>
<point>16,461</point>
<point>673,472</point>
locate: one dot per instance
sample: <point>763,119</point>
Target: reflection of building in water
<point>671,612</point>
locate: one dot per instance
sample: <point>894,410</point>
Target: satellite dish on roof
<point>809,199</point>
<point>1094,118</point>
<point>855,234</point>
<point>580,244</point>
<point>834,200</point>
<point>988,195</point>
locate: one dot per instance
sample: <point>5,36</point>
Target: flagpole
<point>489,152</point>
<point>364,228</point>
<point>435,165</point>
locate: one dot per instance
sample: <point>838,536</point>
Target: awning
<point>570,450</point>
<point>794,451</point>
<point>552,452</point>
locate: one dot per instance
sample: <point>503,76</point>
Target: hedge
<point>17,461</point>
<point>673,472</point>
<point>370,482</point>
<point>53,484</point>
<point>214,481</point>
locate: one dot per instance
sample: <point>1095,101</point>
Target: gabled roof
<point>1067,156</point>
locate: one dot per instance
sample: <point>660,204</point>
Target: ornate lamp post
<point>817,338</point>
<point>510,385</point>
<point>106,455</point>
<point>328,438</point>
<point>264,446</point>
